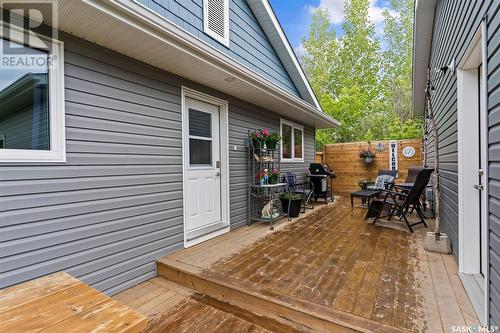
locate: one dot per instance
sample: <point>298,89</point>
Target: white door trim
<point>224,158</point>
<point>468,99</point>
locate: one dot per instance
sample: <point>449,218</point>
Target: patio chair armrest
<point>401,189</point>
<point>389,192</point>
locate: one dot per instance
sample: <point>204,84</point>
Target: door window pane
<point>286,133</point>
<point>200,123</point>
<point>200,152</point>
<point>24,113</point>
<point>297,138</point>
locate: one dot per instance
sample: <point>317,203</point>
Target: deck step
<point>268,308</point>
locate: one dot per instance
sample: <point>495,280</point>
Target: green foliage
<point>364,87</point>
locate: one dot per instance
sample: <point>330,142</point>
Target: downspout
<point>429,115</point>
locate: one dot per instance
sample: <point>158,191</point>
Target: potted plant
<point>367,155</point>
<point>363,183</point>
<point>274,175</point>
<point>272,139</point>
<point>258,139</point>
<point>292,199</point>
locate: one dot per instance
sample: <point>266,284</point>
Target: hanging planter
<point>368,160</point>
<point>367,156</point>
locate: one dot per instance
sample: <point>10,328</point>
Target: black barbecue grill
<point>321,176</point>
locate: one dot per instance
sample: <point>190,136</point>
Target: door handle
<point>479,187</point>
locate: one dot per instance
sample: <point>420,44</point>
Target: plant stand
<point>261,195</point>
<point>260,158</point>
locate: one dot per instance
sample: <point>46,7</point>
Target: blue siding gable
<point>248,42</point>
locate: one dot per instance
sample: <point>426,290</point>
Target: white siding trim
<point>57,152</point>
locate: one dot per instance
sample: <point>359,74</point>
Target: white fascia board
<point>422,41</point>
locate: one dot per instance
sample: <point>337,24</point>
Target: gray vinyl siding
<point>115,207</point>
<point>455,25</point>
<point>494,156</point>
<point>248,43</point>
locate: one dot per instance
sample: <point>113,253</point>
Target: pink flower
<point>257,134</point>
<point>265,132</point>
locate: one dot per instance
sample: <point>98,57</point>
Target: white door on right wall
<point>472,134</point>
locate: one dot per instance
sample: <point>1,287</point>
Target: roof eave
<point>129,28</point>
<point>267,19</point>
<point>422,43</point>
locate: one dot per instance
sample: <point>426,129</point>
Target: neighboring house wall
<point>456,22</point>
<point>248,43</point>
<point>116,205</point>
<point>17,130</point>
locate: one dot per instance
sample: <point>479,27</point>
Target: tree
<point>397,66</point>
<point>364,87</point>
<point>344,72</point>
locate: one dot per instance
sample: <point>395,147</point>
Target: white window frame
<point>57,152</point>
<point>293,126</point>
<point>211,33</point>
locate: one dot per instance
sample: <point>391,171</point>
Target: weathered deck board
<point>171,308</point>
<point>61,303</point>
<point>334,258</point>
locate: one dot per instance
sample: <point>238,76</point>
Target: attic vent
<point>216,20</point>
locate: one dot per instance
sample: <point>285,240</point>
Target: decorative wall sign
<point>380,146</point>
<point>408,152</point>
<point>393,155</point>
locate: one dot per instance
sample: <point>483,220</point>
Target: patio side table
<point>365,195</point>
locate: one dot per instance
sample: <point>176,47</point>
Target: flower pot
<point>294,207</point>
<point>368,160</point>
<point>273,179</point>
<point>271,144</point>
<point>257,144</point>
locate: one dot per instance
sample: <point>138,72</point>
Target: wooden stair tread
<point>299,314</point>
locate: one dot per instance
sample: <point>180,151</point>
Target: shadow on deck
<point>329,271</point>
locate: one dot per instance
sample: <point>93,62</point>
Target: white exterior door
<point>202,169</point>
<point>473,173</point>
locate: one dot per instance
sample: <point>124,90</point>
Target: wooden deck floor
<point>334,258</point>
<point>174,309</point>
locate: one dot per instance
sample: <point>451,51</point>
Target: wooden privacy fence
<point>344,159</point>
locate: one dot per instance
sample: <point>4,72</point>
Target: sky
<point>295,16</point>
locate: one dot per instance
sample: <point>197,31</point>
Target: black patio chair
<point>304,189</point>
<point>412,173</point>
<point>400,199</point>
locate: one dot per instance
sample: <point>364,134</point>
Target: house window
<point>292,144</point>
<point>31,101</point>
<point>216,20</point>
